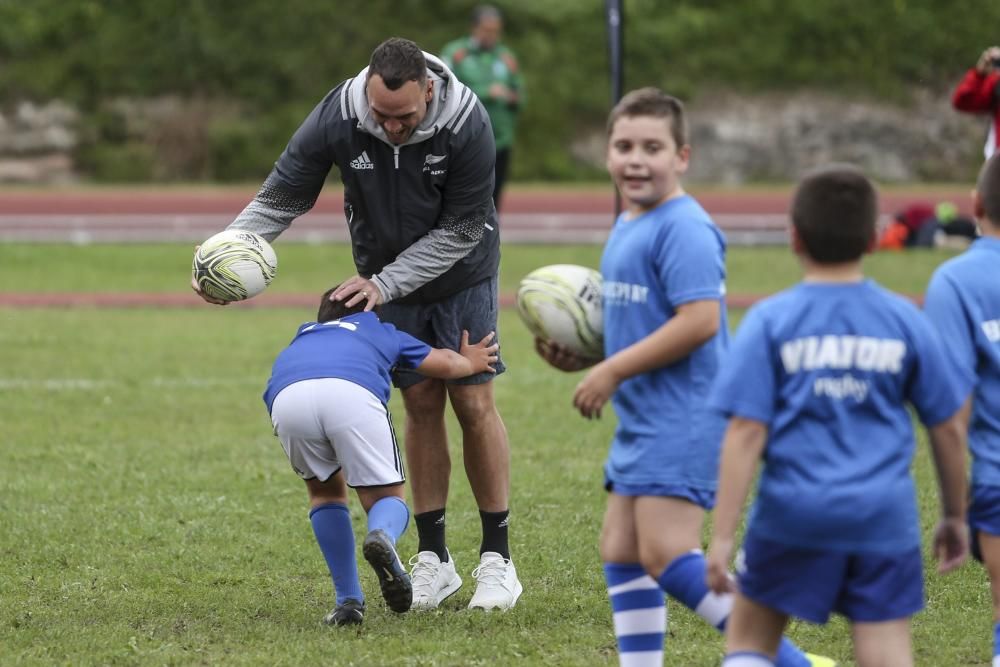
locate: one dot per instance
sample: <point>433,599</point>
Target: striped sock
<point>640,614</point>
<point>332,526</point>
<point>746,659</point>
<point>684,579</point>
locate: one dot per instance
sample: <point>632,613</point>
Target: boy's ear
<point>795,240</point>
<point>978,211</point>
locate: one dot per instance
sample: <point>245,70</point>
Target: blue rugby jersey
<point>963,302</point>
<point>358,348</point>
<point>829,369</point>
<point>652,264</point>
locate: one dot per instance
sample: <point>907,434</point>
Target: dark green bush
<point>276,60</point>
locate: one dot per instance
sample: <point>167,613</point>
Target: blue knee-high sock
<point>332,526</point>
<point>389,514</point>
<point>640,614</point>
<point>996,645</point>
<point>684,579</point>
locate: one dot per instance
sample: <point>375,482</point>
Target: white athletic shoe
<point>497,586</point>
<point>433,581</point>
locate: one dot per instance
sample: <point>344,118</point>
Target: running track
<point>191,215</point>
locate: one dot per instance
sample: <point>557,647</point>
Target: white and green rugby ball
<point>234,265</point>
<point>561,303</point>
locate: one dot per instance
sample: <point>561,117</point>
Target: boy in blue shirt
<point>327,399</point>
<point>816,384</point>
<point>963,301</point>
<point>664,331</point>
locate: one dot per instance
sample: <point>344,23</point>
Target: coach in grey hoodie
<point>416,156</point>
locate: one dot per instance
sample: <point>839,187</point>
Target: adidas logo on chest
<point>362,162</point>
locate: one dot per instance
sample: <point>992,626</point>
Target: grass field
<point>148,516</point>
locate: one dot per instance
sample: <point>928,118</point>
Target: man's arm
<point>294,184</point>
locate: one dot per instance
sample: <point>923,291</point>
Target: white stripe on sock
<point>640,621</point>
<point>715,608</point>
<point>637,584</point>
<point>996,661</point>
<point>641,659</point>
<point>746,660</point>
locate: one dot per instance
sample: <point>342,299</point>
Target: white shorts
<point>327,424</point>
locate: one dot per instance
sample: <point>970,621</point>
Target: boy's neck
<point>988,228</point>
<point>842,272</point>
<point>635,210</point>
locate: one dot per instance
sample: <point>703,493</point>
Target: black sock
<point>430,533</point>
<point>495,533</point>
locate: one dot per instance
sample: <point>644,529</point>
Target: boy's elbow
<point>710,324</point>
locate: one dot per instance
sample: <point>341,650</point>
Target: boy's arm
<point>693,324</point>
<point>742,448</point>
<point>469,360</point>
<point>948,445</point>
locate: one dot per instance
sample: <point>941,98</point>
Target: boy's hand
<point>951,543</point>
<point>595,389</point>
<point>561,357</point>
<point>482,354</point>
<point>717,566</point>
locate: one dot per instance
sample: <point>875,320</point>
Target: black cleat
<point>392,576</point>
<point>351,612</point>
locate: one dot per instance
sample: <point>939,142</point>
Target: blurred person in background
<point>978,92</point>
<point>490,69</point>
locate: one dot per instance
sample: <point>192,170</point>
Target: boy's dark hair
<point>334,310</point>
<point>834,211</point>
<point>654,102</point>
<point>397,61</point>
<point>988,187</point>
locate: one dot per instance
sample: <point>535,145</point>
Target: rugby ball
<point>234,265</point>
<point>561,303</point>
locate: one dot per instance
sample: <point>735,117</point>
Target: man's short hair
<point>834,211</point>
<point>988,187</point>
<point>483,12</point>
<point>654,102</point>
<point>334,310</point>
<point>397,61</point>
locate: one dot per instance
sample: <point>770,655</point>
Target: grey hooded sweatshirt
<point>421,215</point>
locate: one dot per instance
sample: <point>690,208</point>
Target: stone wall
<point>774,138</point>
<point>736,139</point>
<point>37,143</point>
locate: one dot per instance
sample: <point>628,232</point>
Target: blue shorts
<point>984,515</point>
<point>440,324</point>
<point>866,587</point>
<point>700,497</point>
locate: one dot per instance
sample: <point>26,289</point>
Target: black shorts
<point>440,324</point>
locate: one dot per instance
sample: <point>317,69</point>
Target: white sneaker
<point>497,586</point>
<point>432,580</point>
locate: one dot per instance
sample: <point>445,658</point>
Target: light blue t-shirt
<point>963,302</point>
<point>358,348</point>
<point>652,264</point>
<point>829,369</point>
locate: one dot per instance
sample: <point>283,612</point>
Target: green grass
<point>149,517</point>
<point>308,268</point>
